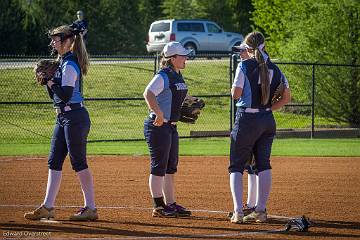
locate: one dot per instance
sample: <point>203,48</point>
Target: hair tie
<point>76,29</point>
<point>261,47</point>
<point>261,50</point>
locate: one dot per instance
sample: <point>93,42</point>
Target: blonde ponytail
<point>165,62</point>
<point>80,52</point>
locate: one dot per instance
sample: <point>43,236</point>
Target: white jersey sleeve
<point>239,78</point>
<point>69,76</point>
<point>156,85</point>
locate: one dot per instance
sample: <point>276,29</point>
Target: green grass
<point>118,80</point>
<point>204,147</point>
<point>119,120</point>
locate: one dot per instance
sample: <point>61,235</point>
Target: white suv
<point>197,35</point>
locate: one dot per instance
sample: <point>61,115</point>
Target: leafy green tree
<point>32,17</point>
<point>329,33</point>
<point>218,11</point>
<point>240,15</point>
<point>225,13</point>
<point>185,9</point>
<point>115,28</point>
<point>25,24</point>
<point>325,31</point>
<point>11,30</point>
<point>150,11</point>
<point>270,17</point>
<point>112,30</point>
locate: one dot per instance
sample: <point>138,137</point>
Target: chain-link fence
<point>321,100</point>
<point>113,90</point>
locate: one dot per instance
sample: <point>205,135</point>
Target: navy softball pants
<point>70,136</point>
<point>163,143</point>
<point>252,132</point>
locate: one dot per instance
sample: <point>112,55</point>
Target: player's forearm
<point>283,101</point>
<point>64,93</point>
<point>236,92</point>
<point>150,100</point>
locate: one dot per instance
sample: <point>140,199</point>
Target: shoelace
<point>82,210</point>
<point>176,206</point>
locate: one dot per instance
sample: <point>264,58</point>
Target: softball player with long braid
<point>253,178</point>
<point>255,82</point>
<point>164,96</point>
<point>72,124</point>
<point>250,164</point>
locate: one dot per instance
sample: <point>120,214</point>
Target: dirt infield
<point>325,189</point>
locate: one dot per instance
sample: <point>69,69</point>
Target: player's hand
<point>159,120</point>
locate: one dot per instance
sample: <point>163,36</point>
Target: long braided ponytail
<point>255,41</point>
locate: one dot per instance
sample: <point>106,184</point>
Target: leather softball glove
<point>45,70</point>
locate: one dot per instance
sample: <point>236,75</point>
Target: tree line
<point>115,27</point>
<point>295,30</point>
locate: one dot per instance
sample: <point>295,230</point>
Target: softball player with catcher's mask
<point>72,123</point>
<point>254,129</point>
<point>164,96</point>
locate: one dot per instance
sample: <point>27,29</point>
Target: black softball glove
<point>298,224</point>
<point>190,109</point>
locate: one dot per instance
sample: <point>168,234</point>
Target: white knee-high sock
<point>252,190</point>
<point>169,189</point>
<point>236,186</point>
<point>264,188</point>
<point>87,186</point>
<point>52,189</point>
<point>257,190</point>
<point>156,185</point>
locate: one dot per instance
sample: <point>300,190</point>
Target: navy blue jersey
<point>70,66</point>
<point>170,90</point>
<point>251,95</point>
